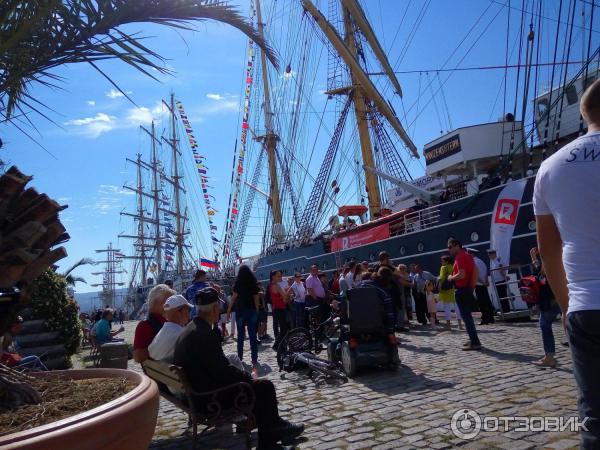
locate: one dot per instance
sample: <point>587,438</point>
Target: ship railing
<point>415,221</point>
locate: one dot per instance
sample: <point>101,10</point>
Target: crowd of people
<point>189,329</point>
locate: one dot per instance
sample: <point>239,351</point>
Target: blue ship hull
<point>467,219</point>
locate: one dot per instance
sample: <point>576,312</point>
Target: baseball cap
<point>491,250</point>
<point>176,301</point>
<point>206,296</point>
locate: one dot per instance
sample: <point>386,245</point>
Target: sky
<point>83,159</point>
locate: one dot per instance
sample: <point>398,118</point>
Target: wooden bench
<point>204,408</point>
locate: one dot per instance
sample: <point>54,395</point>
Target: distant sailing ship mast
<point>112,269</point>
<point>153,249</point>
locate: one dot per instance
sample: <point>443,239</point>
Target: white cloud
<point>91,102</point>
<point>113,93</point>
<point>93,126</point>
<point>110,198</point>
<point>143,115</point>
<point>220,103</point>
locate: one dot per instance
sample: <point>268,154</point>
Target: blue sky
<point>84,165</point>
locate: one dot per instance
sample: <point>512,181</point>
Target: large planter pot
<point>127,422</point>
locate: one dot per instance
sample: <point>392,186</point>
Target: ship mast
<point>140,244</point>
<point>367,99</point>
<point>175,181</point>
<point>360,112</point>
<point>109,282</point>
<point>156,189</point>
<point>270,138</point>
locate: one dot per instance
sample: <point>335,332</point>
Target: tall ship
<point>328,181</point>
<point>166,241</point>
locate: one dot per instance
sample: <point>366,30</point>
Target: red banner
<point>361,238</point>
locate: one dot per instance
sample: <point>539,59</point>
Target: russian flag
<point>208,263</point>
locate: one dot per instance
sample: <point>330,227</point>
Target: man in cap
<point>198,351</point>
<point>499,277</point>
<point>177,312</point>
<point>481,289</point>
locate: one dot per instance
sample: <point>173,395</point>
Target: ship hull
<point>467,219</point>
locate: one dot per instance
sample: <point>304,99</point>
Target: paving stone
<point>412,407</point>
<point>564,444</point>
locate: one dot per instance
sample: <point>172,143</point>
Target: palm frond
<point>38,36</point>
<point>81,262</point>
<point>72,279</point>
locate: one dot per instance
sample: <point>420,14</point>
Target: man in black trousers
<point>198,351</point>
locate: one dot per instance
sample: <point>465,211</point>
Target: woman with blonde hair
<point>446,294</point>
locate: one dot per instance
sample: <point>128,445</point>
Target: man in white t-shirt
<point>481,289</point>
<point>499,277</point>
<point>565,201</point>
<point>299,293</point>
<point>177,312</point>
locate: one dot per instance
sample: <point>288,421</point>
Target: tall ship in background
<point>162,222</point>
<point>361,198</point>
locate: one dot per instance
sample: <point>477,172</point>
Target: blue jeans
<point>465,301</point>
<point>247,318</point>
<point>583,328</point>
<point>546,319</point>
<point>31,362</point>
<point>299,314</point>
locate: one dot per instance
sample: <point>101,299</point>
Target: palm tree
<point>36,36</point>
<point>72,279</point>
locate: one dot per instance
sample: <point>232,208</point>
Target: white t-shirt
<point>497,275</point>
<point>567,187</point>
<point>350,280</point>
<point>481,271</point>
<point>162,346</point>
<point>299,291</point>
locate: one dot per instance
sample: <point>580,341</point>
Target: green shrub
<point>51,303</point>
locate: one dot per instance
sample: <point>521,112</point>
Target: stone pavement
<point>413,406</point>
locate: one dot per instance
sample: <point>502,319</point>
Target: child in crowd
<point>431,302</point>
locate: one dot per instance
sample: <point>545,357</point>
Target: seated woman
<point>103,330</point>
<point>9,351</point>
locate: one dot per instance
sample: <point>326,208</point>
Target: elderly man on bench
<point>199,353</point>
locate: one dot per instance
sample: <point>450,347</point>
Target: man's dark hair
<point>383,256</point>
<point>199,274</point>
<point>453,241</point>
<point>383,276</point>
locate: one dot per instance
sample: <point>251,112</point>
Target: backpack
<point>529,287</point>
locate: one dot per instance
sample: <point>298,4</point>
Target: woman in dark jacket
<point>245,303</point>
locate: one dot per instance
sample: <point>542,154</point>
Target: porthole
<point>420,247</point>
<point>532,225</point>
<point>474,236</point>
<point>403,250</point>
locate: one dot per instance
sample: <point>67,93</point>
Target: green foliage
<point>38,36</point>
<point>50,302</point>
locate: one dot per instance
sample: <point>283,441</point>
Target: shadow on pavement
<point>509,356</point>
<point>404,379</point>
